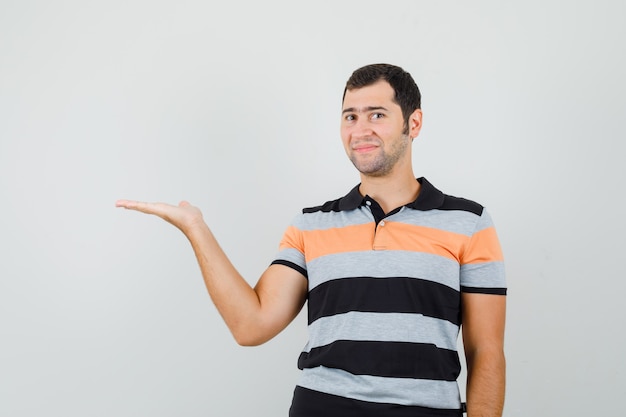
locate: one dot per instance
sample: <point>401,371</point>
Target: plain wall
<point>235,107</point>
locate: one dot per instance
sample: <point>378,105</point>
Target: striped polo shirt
<point>384,293</point>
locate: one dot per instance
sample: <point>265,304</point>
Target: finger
<point>129,204</point>
<point>144,207</point>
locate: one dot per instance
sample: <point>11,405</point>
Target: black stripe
<point>429,198</point>
<point>325,208</point>
<point>350,201</point>
<point>310,403</point>
<point>292,266</point>
<point>458,203</point>
<point>480,290</point>
<point>385,295</point>
<point>387,359</point>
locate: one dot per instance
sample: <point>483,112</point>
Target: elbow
<point>252,332</point>
<point>493,359</point>
<point>248,339</point>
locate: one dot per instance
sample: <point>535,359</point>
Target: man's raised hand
<point>184,216</point>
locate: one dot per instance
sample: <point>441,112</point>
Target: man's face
<point>372,129</point>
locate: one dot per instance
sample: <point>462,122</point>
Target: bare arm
<point>483,340</point>
<point>253,315</point>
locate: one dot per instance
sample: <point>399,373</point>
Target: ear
<point>415,123</point>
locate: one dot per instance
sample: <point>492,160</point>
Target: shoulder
<point>329,206</point>
<point>453,203</point>
<point>350,201</point>
<point>430,197</point>
<point>323,216</point>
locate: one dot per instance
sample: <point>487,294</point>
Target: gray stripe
<point>382,327</point>
<point>484,275</point>
<point>455,221</point>
<point>405,391</point>
<point>292,255</point>
<point>484,221</point>
<point>381,264</point>
<point>328,220</point>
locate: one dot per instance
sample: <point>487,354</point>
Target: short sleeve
<point>482,261</point>
<point>291,250</point>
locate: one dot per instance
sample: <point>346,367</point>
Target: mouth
<point>364,147</point>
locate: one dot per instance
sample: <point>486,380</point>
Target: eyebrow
<point>364,109</point>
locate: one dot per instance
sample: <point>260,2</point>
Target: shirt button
<point>382,223</point>
<point>369,203</point>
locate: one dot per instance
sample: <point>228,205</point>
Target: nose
<point>361,128</point>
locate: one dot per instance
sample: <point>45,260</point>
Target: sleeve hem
<point>292,266</point>
<point>480,290</point>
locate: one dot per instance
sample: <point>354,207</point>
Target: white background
<point>235,106</point>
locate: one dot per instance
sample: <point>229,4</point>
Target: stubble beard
<point>383,163</point>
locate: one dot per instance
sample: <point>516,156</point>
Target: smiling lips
<point>364,147</point>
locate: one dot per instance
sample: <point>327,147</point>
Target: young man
<point>390,271</point>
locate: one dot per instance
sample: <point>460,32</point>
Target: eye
<point>377,116</point>
<point>349,117</point>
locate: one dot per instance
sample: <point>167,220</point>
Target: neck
<point>391,191</point>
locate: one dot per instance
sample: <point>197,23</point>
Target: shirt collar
<point>429,198</point>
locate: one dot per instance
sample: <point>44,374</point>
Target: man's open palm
<point>184,216</point>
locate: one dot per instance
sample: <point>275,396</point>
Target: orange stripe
<point>292,238</point>
<point>484,247</point>
<point>338,240</point>
<point>391,236</point>
<point>402,236</point>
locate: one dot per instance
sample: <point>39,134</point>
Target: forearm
<point>486,375</point>
<point>236,301</point>
<point>253,315</point>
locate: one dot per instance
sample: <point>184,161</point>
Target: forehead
<point>377,94</point>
